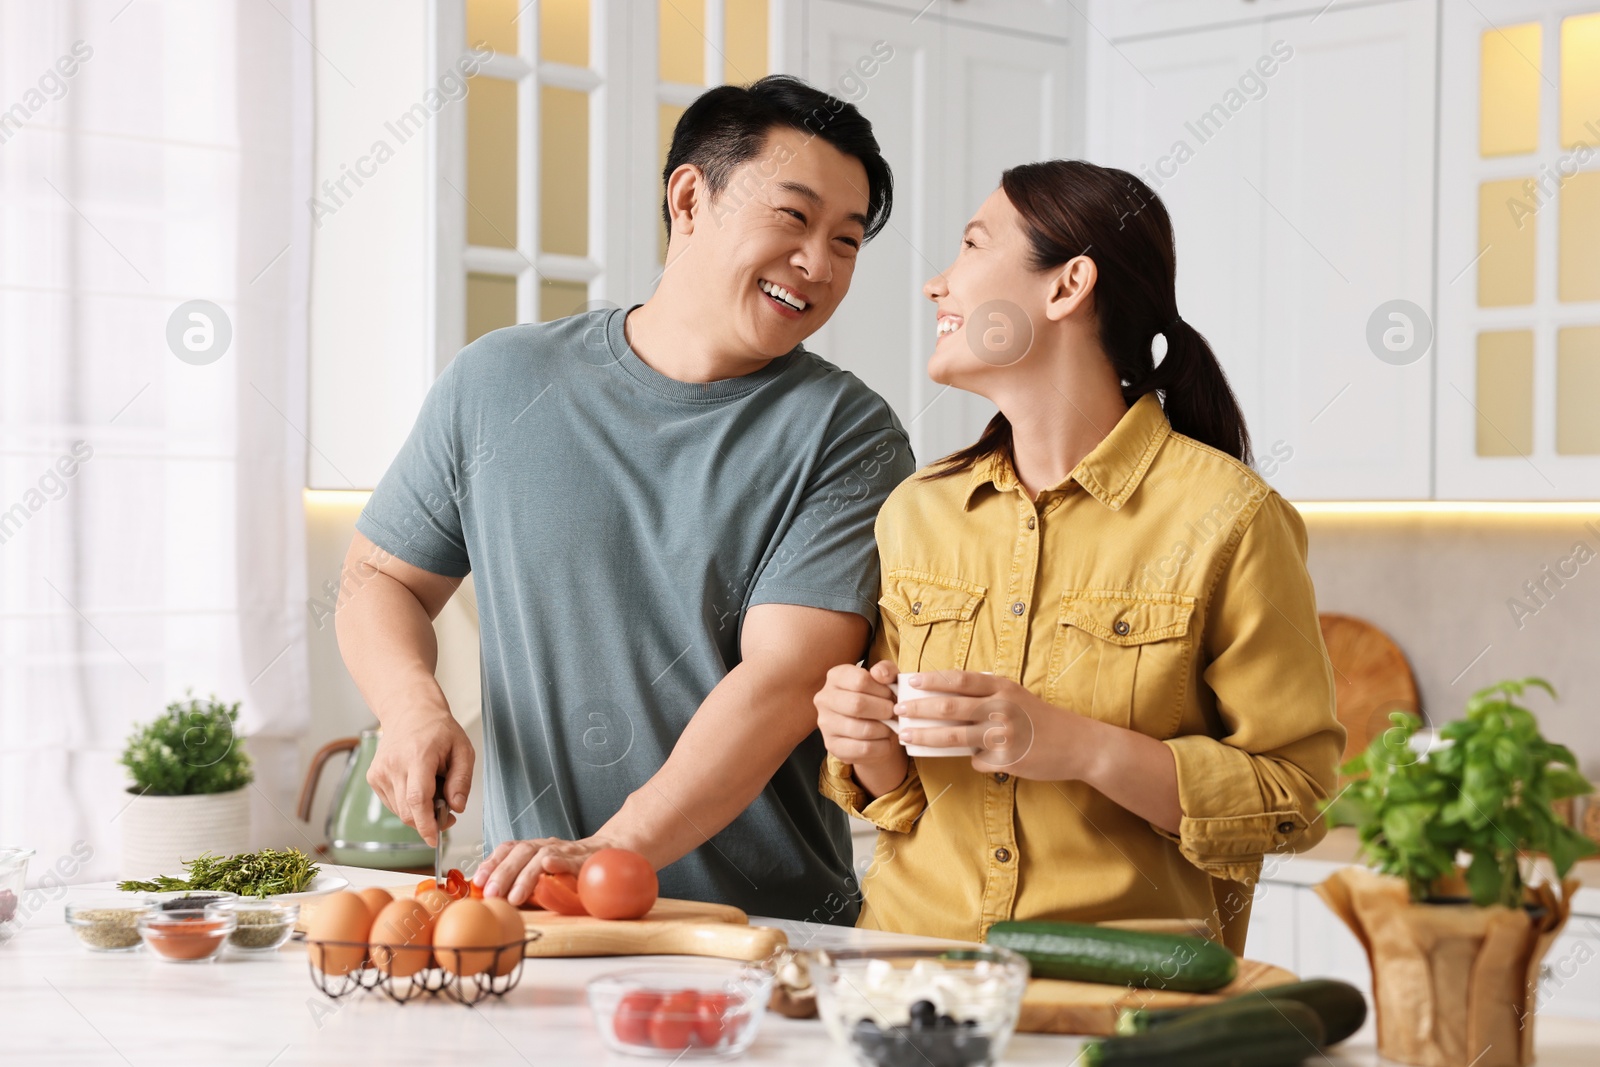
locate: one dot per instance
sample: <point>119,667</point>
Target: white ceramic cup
<point>905,691</point>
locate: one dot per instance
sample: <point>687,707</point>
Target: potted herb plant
<point>1453,928</point>
<point>190,788</point>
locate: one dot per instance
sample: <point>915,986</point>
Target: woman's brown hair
<point>1070,208</point>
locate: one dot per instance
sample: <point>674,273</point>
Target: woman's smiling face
<point>988,301</point>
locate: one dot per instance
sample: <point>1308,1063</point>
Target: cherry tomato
<point>674,1021</point>
<point>711,1019</point>
<point>558,893</point>
<point>632,1020</point>
<point>615,883</point>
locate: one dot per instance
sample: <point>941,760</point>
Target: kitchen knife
<point>439,808</point>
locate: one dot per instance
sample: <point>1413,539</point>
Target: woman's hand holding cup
<point>854,709</point>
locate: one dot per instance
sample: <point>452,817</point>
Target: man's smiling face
<point>771,255</point>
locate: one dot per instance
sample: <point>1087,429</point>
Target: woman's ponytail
<point>1195,392</point>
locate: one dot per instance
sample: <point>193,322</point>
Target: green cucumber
<point>1083,953</point>
<point>1340,1005</point>
<point>1264,1033</point>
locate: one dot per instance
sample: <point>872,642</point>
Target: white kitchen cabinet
<point>1274,932</point>
<point>1519,324</point>
<point>1034,18</point>
<point>1569,978</point>
<point>1122,19</point>
<point>952,107</point>
<point>1301,201</point>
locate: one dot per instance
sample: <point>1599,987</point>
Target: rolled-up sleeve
<point>899,808</point>
<point>1255,787</point>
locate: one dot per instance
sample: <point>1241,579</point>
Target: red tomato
<point>674,1021</point>
<point>615,883</point>
<point>558,893</point>
<point>712,1020</point>
<point>632,1020</point>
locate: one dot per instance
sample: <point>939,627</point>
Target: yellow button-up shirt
<point>1162,587</point>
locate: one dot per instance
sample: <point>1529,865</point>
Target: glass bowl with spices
<point>263,925</point>
<point>188,899</point>
<point>106,920</point>
<point>188,935</point>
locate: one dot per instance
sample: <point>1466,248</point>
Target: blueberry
<point>924,1015</point>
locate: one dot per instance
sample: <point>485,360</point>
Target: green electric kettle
<point>361,831</point>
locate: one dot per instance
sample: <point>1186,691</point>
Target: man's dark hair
<point>728,126</point>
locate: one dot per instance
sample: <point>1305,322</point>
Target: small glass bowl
<point>187,899</point>
<point>955,1006</point>
<point>263,925</point>
<point>106,920</point>
<point>701,1011</point>
<point>189,935</point>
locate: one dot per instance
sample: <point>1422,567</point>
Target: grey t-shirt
<point>619,523</point>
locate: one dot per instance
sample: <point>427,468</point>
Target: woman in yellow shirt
<point>1160,712</point>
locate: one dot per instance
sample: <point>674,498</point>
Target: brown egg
<point>463,926</point>
<point>512,929</point>
<point>400,924</point>
<point>341,916</point>
<point>435,900</point>
<point>377,899</point>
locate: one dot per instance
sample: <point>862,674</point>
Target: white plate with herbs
<point>323,884</point>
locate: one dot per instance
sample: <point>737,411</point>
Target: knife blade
<point>439,808</point>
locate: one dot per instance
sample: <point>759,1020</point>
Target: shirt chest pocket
<point>934,616</point>
<point>1123,658</point>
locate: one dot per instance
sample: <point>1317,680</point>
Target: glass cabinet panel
<point>1508,102</point>
<point>1580,80</point>
<point>563,171</point>
<point>1578,391</point>
<point>682,43</point>
<point>492,162</point>
<point>1506,234</point>
<point>1505,393</point>
<point>564,32</point>
<point>491,303</point>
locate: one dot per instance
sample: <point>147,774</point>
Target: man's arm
<point>385,629</point>
<point>738,738</point>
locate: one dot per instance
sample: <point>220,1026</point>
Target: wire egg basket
<point>459,974</point>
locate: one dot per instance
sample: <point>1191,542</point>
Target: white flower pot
<point>160,833</point>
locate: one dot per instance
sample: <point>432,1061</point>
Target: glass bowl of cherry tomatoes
<point>698,1011</point>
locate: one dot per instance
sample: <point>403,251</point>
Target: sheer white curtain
<point>151,530</point>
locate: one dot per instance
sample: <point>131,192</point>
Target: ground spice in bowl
<point>109,929</point>
<point>188,935</point>
<point>263,925</point>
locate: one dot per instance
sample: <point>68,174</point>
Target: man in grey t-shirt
<point>668,512</point>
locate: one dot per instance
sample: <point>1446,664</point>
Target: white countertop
<point>63,1004</point>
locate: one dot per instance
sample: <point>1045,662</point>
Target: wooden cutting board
<point>1055,1007</point>
<point>672,928</point>
<point>1371,678</point>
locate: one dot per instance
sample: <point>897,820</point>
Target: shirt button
<point>1018,608</point>
<point>1285,827</point>
<point>1030,522</point>
<point>1003,855</point>
<point>1002,777</point>
<point>916,609</point>
<point>1121,627</point>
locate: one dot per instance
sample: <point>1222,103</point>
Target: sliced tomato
<point>673,1025</point>
<point>631,1023</point>
<point>558,893</point>
<point>456,886</point>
